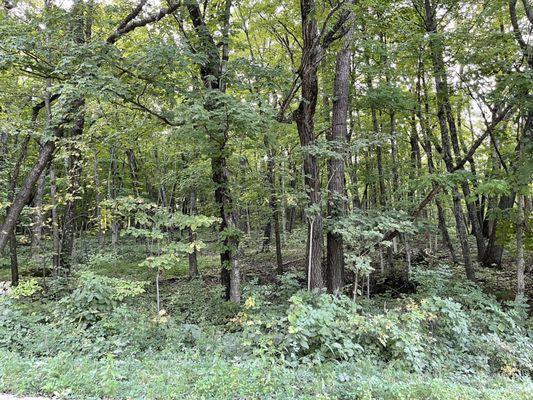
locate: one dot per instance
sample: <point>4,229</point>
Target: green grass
<point>191,375</point>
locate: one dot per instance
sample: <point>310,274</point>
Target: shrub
<point>95,296</point>
<point>426,332</point>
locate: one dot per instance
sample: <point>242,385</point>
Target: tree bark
<point>215,67</point>
<point>274,208</point>
<point>193,256</point>
<point>24,194</point>
<point>98,209</point>
<point>336,180</point>
<point>446,124</point>
<point>74,173</point>
<point>520,262</point>
<point>304,117</point>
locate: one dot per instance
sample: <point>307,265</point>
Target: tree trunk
<point>14,259</point>
<point>494,250</point>
<point>193,256</point>
<point>98,210</point>
<point>304,117</point>
<point>291,209</point>
<point>113,184</point>
<point>73,191</point>
<point>132,163</point>
<point>443,110</point>
<point>274,208</point>
<point>215,67</point>
<point>394,156</point>
<point>24,194</point>
<point>38,221</point>
<point>520,262</point>
<point>56,244</point>
<point>427,146</point>
<point>337,188</point>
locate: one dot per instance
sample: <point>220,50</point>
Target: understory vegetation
<point>98,334</point>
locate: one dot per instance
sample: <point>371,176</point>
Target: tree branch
<point>132,25</point>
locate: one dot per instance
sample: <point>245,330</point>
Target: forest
<point>262,199</point>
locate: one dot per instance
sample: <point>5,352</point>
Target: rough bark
<point>336,180</point>
<point>24,194</point>
<point>304,117</point>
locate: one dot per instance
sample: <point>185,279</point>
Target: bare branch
<point>132,25</point>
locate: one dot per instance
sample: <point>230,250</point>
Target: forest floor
<point>261,267</point>
<point>199,356</point>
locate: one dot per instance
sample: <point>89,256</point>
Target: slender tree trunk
<point>520,262</point>
<point>215,67</point>
<point>24,194</point>
<point>443,108</point>
<point>113,182</point>
<point>379,159</point>
<point>282,206</point>
<point>394,155</point>
<point>427,146</point>
<point>291,209</point>
<point>274,207</point>
<point>132,163</point>
<point>14,259</point>
<point>56,244</point>
<point>38,222</point>
<point>98,209</point>
<point>193,256</point>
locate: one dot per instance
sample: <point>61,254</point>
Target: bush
<point>96,296</point>
<point>471,333</point>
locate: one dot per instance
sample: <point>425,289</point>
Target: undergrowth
<point>97,336</point>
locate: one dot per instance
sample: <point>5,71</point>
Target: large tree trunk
<point>81,25</point>
<point>337,187</point>
<point>304,117</point>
